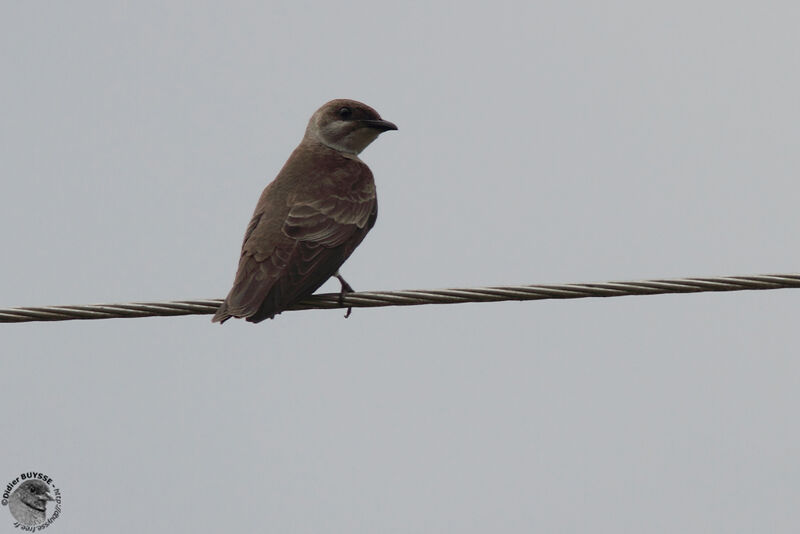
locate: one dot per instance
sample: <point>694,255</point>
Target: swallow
<point>311,217</point>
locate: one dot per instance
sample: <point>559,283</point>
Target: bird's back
<point>306,224</point>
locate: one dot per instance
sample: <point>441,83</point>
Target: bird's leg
<point>346,288</point>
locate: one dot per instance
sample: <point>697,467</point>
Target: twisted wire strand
<point>374,299</point>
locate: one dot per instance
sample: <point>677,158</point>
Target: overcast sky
<point>538,142</point>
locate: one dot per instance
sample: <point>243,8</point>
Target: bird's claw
<point>346,288</point>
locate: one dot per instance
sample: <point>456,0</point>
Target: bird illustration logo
<point>311,217</point>
<point>28,503</point>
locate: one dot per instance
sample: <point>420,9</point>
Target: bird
<point>311,217</point>
<point>28,503</point>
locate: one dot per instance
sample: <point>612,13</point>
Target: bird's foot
<point>346,288</point>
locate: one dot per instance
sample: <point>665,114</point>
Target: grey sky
<point>538,142</point>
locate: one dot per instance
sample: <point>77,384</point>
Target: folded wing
<point>287,256</point>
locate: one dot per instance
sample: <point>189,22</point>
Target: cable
<point>374,299</point>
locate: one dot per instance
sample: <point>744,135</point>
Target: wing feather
<point>287,256</point>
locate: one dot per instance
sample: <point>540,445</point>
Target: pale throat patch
<point>352,143</point>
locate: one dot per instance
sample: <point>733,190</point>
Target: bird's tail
<point>222,314</point>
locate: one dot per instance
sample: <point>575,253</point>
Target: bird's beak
<point>379,124</point>
<point>47,497</point>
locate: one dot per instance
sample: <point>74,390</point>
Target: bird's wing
<point>330,220</point>
<point>280,266</point>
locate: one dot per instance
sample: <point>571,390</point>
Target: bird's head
<point>34,494</point>
<point>346,126</point>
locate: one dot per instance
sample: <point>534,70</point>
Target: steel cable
<point>374,299</point>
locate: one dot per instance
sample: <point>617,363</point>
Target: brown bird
<point>28,504</point>
<point>311,217</point>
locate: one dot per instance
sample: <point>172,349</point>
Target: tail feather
<point>222,314</point>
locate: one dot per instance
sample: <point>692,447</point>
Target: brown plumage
<point>311,217</point>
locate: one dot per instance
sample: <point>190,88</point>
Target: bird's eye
<point>32,489</point>
<point>345,112</point>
